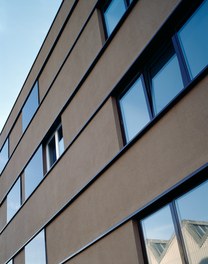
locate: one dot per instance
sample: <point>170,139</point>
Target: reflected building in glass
<point>104,156</point>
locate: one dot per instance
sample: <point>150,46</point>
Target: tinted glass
<point>134,110</point>
<point>113,14</point>
<point>33,172</point>
<point>35,250</point>
<point>52,151</point>
<point>30,107</point>
<point>4,155</point>
<point>194,40</point>
<point>166,84</point>
<point>13,200</point>
<point>60,140</point>
<point>193,215</point>
<point>160,240</point>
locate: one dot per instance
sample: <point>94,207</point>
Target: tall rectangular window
<point>166,81</point>
<point>193,38</point>
<point>33,173</point>
<point>193,216</point>
<point>113,13</point>
<point>30,107</point>
<point>14,200</point>
<point>178,233</point>
<point>4,155</point>
<point>54,147</point>
<point>35,250</point>
<point>134,109</point>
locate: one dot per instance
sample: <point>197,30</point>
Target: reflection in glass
<point>33,172</point>
<point>35,250</point>
<point>4,155</point>
<point>160,240</point>
<point>60,141</point>
<point>13,200</point>
<point>113,14</point>
<point>193,215</point>
<point>166,84</point>
<point>194,40</point>
<point>30,107</point>
<point>134,110</point>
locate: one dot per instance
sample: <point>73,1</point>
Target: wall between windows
<point>118,247</point>
<point>96,145</point>
<point>82,55</point>
<point>129,41</point>
<point>172,149</point>
<point>66,41</point>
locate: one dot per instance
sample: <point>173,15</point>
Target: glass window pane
<point>193,215</point>
<point>35,250</point>
<point>160,239</point>
<point>10,262</point>
<point>60,141</point>
<point>30,107</point>
<point>52,151</point>
<point>134,110</point>
<point>194,40</point>
<point>113,14</point>
<point>33,172</point>
<point>4,155</point>
<point>166,84</point>
<point>13,200</point>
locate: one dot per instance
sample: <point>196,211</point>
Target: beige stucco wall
<point>117,247</point>
<point>128,43</point>
<point>169,151</point>
<point>174,147</point>
<point>20,258</point>
<point>65,84</point>
<point>65,43</point>
<point>96,145</point>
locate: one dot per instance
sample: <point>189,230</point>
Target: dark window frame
<point>36,84</point>
<point>103,7</point>
<point>8,153</point>
<point>157,48</point>
<point>52,133</point>
<point>168,197</point>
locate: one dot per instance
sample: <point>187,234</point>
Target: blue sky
<point>23,27</point>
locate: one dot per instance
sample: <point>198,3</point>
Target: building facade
<point>103,157</point>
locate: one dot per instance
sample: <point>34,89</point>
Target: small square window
<point>54,147</point>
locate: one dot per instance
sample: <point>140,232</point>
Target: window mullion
<point>147,97</point>
<point>182,63</point>
<point>57,144</point>
<point>178,232</point>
